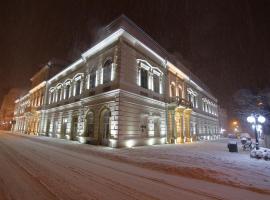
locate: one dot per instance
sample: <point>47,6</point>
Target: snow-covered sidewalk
<point>209,161</point>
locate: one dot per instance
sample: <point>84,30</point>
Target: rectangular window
<point>144,78</point>
<point>51,97</point>
<point>67,91</point>
<point>78,87</point>
<point>106,74</point>
<point>58,94</point>
<point>92,80</point>
<point>156,83</point>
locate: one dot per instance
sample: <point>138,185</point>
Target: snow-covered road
<point>31,169</point>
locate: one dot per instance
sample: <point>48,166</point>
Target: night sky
<point>225,43</point>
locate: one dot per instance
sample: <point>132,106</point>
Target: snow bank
<point>260,153</point>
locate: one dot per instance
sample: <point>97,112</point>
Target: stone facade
<point>124,92</point>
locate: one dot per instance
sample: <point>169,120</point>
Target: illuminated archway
<point>90,124</point>
<point>104,126</point>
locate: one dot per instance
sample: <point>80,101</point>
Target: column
<point>180,134</point>
<point>187,113</point>
<point>173,126</point>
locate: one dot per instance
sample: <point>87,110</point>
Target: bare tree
<point>247,102</point>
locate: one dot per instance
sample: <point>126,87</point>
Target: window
<point>59,94</point>
<point>144,78</point>
<point>107,70</point>
<point>194,101</point>
<point>54,96</point>
<point>51,97</point>
<point>92,79</point>
<point>156,83</point>
<point>180,91</point>
<point>149,77</point>
<point>77,87</point>
<point>67,91</point>
<point>172,90</point>
<point>106,124</point>
<point>189,97</point>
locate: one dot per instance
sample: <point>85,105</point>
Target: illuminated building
<point>127,90</point>
<point>27,112</point>
<point>7,108</point>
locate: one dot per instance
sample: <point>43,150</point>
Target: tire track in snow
<point>15,165</point>
<point>161,168</point>
<point>32,171</point>
<point>159,181</point>
<point>123,189</point>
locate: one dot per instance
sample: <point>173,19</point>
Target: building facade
<point>126,91</point>
<point>27,112</point>
<point>7,108</point>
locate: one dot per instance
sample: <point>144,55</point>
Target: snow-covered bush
<point>260,153</point>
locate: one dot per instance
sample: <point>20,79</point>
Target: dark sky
<point>225,43</point>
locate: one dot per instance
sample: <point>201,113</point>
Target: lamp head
<point>261,119</point>
<point>251,119</point>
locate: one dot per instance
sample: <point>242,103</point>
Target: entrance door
<point>90,125</point>
<point>106,130</point>
<point>105,127</point>
<point>74,130</point>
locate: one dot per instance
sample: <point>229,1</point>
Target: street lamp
<point>256,121</point>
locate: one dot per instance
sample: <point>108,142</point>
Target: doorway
<point>74,128</point>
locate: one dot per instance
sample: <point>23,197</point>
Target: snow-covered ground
<point>46,168</point>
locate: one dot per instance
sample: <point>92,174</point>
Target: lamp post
<point>256,120</point>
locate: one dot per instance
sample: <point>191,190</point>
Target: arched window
<point>107,70</point>
<point>67,92</point>
<point>67,87</point>
<point>144,78</point>
<point>77,85</point>
<point>51,96</point>
<point>106,124</point>
<point>59,92</point>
